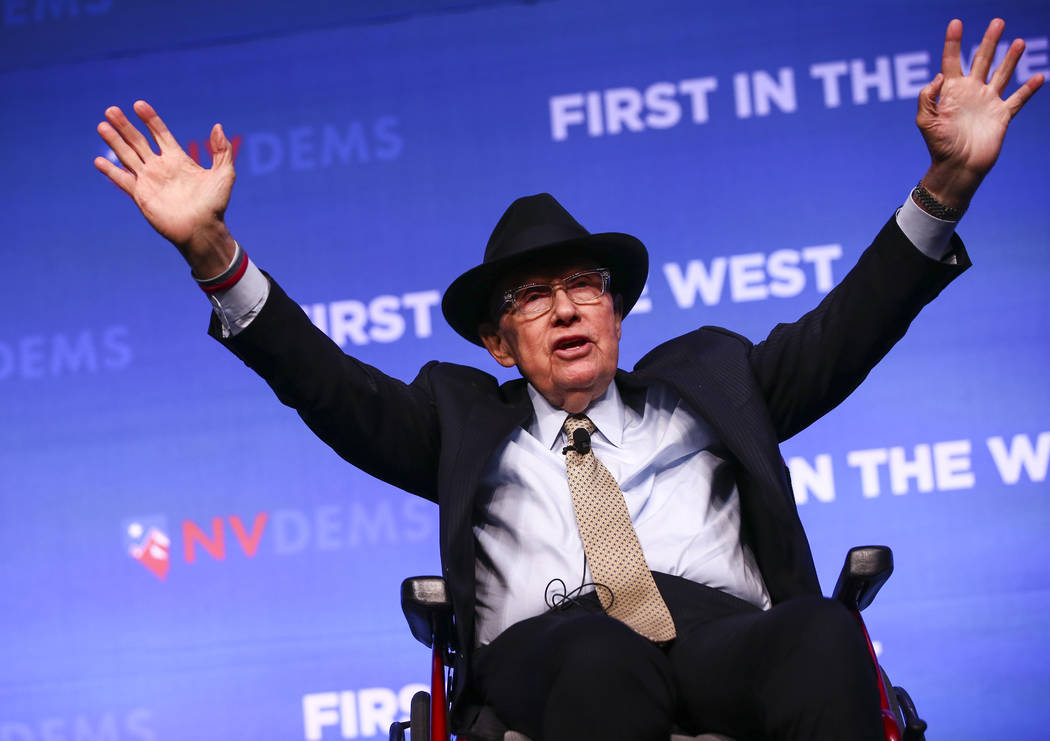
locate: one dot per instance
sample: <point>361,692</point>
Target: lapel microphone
<point>581,442</point>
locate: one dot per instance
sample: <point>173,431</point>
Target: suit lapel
<point>739,424</point>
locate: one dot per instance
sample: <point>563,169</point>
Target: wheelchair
<point>428,609</point>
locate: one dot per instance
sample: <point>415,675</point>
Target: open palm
<point>963,118</point>
<point>183,201</point>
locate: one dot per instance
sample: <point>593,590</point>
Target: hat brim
<point>467,302</point>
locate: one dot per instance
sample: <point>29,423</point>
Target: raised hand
<point>963,118</point>
<point>183,201</point>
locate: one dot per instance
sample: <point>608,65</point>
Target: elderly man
<point>622,549</point>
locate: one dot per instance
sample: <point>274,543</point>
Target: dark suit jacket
<point>453,417</point>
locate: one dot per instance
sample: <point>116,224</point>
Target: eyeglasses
<point>537,298</point>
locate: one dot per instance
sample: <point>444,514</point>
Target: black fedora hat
<point>534,227</point>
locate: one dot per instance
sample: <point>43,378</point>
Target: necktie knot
<point>578,429</point>
<point>577,421</point>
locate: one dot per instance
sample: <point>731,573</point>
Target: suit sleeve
<point>809,366</point>
<point>367,417</point>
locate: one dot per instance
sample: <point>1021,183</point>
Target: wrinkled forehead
<point>545,269</point>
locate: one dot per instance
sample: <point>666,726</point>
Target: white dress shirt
<point>681,496</point>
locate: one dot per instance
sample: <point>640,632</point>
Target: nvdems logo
<point>389,521</point>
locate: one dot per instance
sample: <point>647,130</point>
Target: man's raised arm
<point>367,417</point>
<point>830,350</point>
<point>183,201</point>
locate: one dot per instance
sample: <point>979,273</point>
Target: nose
<point>563,308</point>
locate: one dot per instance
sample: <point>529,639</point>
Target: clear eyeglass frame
<point>513,299</point>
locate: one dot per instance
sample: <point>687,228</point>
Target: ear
<point>498,347</point>
<point>618,312</point>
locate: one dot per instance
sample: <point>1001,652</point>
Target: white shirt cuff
<point>239,304</point>
<point>930,235</point>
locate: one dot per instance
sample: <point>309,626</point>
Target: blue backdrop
<point>179,558</point>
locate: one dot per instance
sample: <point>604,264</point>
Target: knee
<point>827,624</point>
<point>826,640</point>
<point>827,679</point>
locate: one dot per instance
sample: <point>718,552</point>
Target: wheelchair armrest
<point>428,609</point>
<point>865,571</point>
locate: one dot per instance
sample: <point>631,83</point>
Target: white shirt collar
<point>607,413</point>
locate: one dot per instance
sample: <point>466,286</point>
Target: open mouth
<point>569,344</point>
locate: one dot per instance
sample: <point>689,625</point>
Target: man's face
<point>569,353</point>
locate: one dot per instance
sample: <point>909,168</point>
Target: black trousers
<point>798,671</point>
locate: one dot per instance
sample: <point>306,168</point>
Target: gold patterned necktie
<point>618,567</point>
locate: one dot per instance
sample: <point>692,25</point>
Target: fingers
<point>982,58</point>
<point>121,178</point>
<point>157,128</point>
<point>134,138</point>
<point>928,102</point>
<point>128,156</point>
<point>928,95</point>
<point>1016,101</point>
<point>221,151</point>
<point>1005,70</point>
<point>951,64</point>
